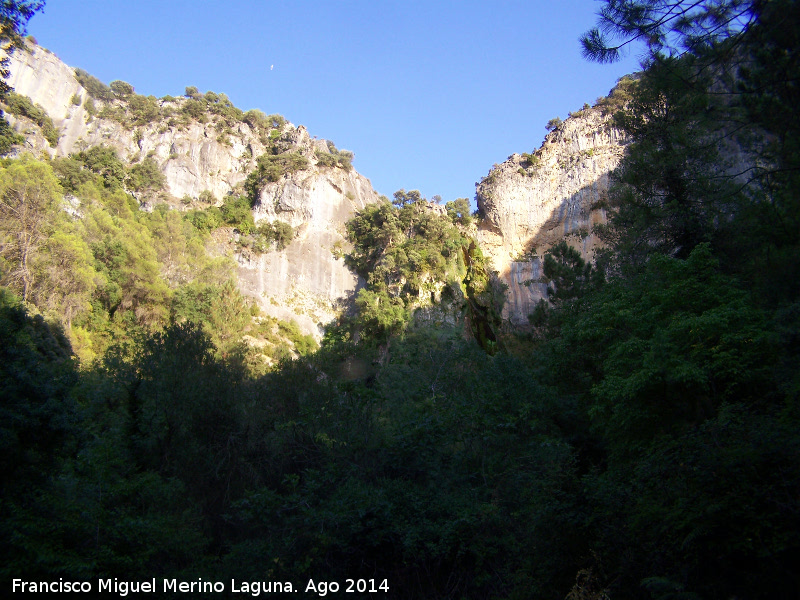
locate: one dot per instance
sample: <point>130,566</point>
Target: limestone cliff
<point>309,277</point>
<point>532,201</point>
<point>529,202</point>
<point>193,156</point>
<point>306,281</point>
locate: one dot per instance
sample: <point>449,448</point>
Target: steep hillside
<point>205,148</point>
<point>532,201</point>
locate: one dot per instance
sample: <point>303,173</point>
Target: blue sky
<point>427,94</point>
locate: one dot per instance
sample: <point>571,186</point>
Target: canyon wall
<point>530,202</point>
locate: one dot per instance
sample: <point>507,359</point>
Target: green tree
<point>380,315</point>
<point>458,210</point>
<point>23,106</point>
<point>567,274</point>
<point>105,162</point>
<point>146,177</point>
<point>553,124</point>
<point>121,89</point>
<point>180,246</point>
<point>195,109</point>
<point>125,255</point>
<point>29,200</point>
<point>67,276</point>
<point>228,316</point>
<point>8,137</point>
<point>236,211</point>
<point>96,88</point>
<point>677,127</point>
<point>207,197</point>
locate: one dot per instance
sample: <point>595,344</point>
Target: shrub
<point>121,89</point>
<point>283,234</point>
<point>619,96</point>
<point>104,162</point>
<point>8,137</point>
<point>277,231</point>
<point>303,344</point>
<point>458,211</point>
<point>225,109</point>
<point>143,109</point>
<point>345,159</point>
<point>530,160</point>
<point>146,176</point>
<point>195,109</point>
<point>335,158</point>
<point>205,220</point>
<point>256,119</point>
<point>50,132</point>
<point>192,92</point>
<point>95,87</point>
<point>207,197</point>
<point>325,159</point>
<point>271,168</point>
<point>76,100</point>
<point>276,121</point>
<point>235,211</point>
<point>70,173</point>
<point>20,105</point>
<point>553,124</point>
<point>116,113</point>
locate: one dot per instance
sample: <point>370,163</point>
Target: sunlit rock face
<point>308,281</point>
<point>531,203</point>
<point>310,276</point>
<point>193,157</point>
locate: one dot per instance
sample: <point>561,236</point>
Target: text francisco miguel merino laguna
<point>252,588</point>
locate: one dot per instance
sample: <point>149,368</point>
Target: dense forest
<point>641,439</point>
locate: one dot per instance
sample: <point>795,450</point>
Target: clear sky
<point>427,94</point>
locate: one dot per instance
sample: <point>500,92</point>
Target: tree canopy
<point>667,27</point>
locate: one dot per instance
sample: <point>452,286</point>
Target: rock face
<point>304,282</point>
<point>193,157</point>
<point>531,202</point>
<point>309,277</point>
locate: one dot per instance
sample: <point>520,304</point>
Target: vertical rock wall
<point>532,202</point>
<point>305,282</point>
<point>309,278</point>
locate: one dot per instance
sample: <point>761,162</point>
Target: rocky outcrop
<point>308,281</point>
<point>532,201</point>
<point>309,278</point>
<point>529,202</point>
<point>192,156</point>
